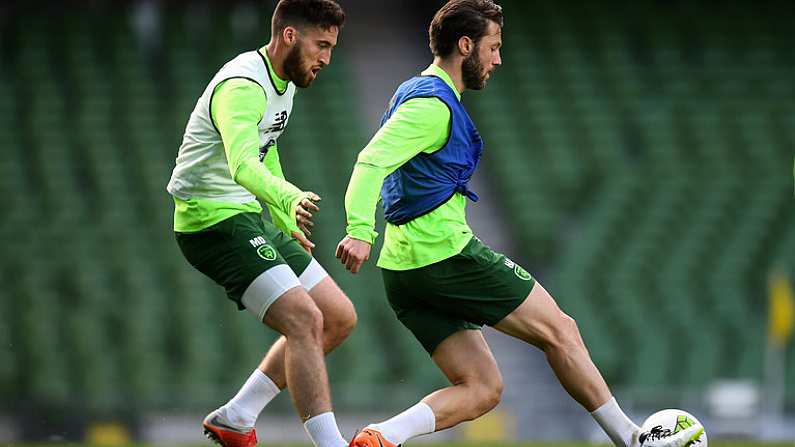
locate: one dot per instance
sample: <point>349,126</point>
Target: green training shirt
<point>418,125</point>
<point>237,106</point>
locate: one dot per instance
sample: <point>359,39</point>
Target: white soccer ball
<point>659,429</point>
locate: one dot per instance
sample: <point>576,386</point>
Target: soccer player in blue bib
<point>443,283</point>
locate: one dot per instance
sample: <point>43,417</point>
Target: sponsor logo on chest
<point>279,122</point>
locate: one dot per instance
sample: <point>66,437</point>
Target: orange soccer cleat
<point>370,438</point>
<point>217,429</point>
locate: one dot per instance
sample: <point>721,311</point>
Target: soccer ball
<point>665,423</point>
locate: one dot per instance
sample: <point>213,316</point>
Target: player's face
<point>311,52</point>
<point>477,67</point>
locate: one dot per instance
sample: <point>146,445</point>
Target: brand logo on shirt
<point>279,122</point>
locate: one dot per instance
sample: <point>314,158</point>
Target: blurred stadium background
<point>638,162</point>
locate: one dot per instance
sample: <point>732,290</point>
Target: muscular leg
<point>339,319</point>
<point>296,316</point>
<point>476,382</point>
<point>476,387</point>
<point>298,319</point>
<point>269,378</point>
<point>540,322</point>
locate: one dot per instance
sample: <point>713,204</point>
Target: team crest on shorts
<point>266,252</point>
<point>521,273</point>
<point>518,270</point>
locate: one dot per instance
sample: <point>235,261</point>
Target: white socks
<point>417,420</point>
<point>248,403</point>
<point>615,423</point>
<point>323,431</point>
<point>243,409</point>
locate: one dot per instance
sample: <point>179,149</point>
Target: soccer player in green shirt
<point>442,282</point>
<point>227,165</point>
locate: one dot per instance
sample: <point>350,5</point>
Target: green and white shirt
<point>420,125</point>
<point>220,170</point>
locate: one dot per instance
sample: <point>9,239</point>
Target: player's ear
<point>289,35</point>
<point>465,45</point>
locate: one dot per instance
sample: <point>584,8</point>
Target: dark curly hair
<point>300,13</point>
<point>460,18</point>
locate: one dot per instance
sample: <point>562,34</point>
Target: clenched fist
<point>353,252</point>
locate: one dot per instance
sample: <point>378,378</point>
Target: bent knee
<point>486,395</point>
<point>349,322</point>
<point>566,333</point>
<point>491,396</point>
<point>339,324</point>
<point>304,320</point>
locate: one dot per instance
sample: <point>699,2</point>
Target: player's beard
<point>293,67</point>
<point>472,71</point>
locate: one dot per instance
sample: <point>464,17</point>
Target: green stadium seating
<point>648,167</point>
<point>649,173</point>
<point>90,130</point>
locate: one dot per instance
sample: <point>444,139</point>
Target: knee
<point>566,334</point>
<point>348,323</point>
<point>487,394</point>
<point>305,321</point>
<point>340,324</point>
<point>491,395</point>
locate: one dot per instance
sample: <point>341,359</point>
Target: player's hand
<point>303,213</point>
<point>306,243</point>
<point>353,252</point>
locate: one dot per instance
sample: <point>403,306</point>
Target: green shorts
<point>473,288</point>
<point>237,253</point>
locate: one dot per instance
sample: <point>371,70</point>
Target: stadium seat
<point>653,173</point>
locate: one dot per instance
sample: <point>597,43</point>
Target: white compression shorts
<point>274,282</point>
